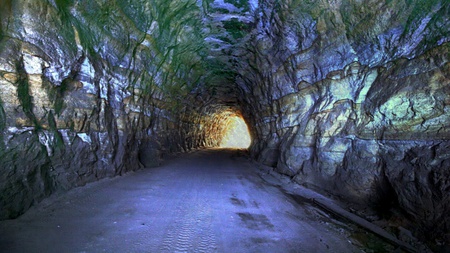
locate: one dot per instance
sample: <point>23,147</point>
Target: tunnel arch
<point>223,126</point>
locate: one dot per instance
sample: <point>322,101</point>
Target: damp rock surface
<point>98,89</point>
<point>351,97</point>
<point>347,97</point>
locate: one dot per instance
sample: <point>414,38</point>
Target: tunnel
<point>346,98</point>
<point>236,133</point>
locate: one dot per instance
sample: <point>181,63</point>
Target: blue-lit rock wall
<point>93,89</point>
<point>352,97</point>
<point>345,96</point>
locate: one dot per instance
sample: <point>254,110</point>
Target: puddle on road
<point>255,221</point>
<point>238,202</point>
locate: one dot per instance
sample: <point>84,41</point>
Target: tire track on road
<point>191,230</point>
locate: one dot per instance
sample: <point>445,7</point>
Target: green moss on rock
<point>23,93</point>
<point>2,117</point>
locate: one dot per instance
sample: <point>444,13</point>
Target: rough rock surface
<point>348,96</point>
<point>352,97</point>
<point>94,89</point>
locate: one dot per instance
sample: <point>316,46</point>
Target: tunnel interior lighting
<point>236,134</point>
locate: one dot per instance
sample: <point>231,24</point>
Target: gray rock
<point>351,97</point>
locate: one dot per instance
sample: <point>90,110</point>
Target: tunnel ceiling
<point>203,47</point>
<point>186,46</point>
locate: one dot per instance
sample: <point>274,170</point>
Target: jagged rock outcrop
<point>92,89</point>
<point>352,97</point>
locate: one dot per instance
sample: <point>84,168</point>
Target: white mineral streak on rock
<point>32,64</point>
<point>87,73</point>
<point>15,130</point>
<point>103,89</point>
<point>84,137</point>
<point>227,6</point>
<point>53,74</point>
<point>254,4</point>
<point>46,139</point>
<point>227,17</point>
<point>153,27</point>
<point>65,133</point>
<point>6,66</point>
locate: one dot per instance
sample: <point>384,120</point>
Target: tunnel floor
<point>204,201</point>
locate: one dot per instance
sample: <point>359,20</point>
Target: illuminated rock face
<point>351,97</point>
<point>95,89</point>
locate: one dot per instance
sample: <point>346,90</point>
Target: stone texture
<point>351,97</point>
<point>95,89</point>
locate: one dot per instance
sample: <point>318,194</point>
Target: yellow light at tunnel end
<point>236,134</point>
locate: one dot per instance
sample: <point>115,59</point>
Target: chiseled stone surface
<point>95,89</point>
<point>352,97</point>
<point>348,96</point>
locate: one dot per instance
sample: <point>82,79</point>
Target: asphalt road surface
<point>204,201</point>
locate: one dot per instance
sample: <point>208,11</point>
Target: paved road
<point>205,201</point>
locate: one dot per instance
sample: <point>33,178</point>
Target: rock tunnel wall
<point>352,97</point>
<point>93,89</point>
<point>347,96</point>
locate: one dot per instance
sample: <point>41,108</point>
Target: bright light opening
<point>236,134</point>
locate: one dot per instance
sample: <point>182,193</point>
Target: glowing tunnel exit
<point>236,134</point>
